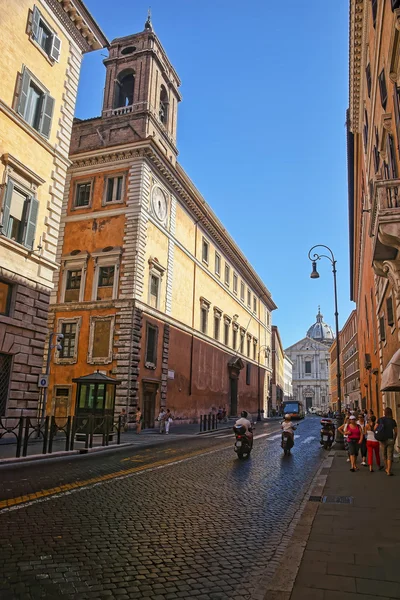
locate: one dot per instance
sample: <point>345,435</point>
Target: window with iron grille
<point>374,5</point>
<point>369,81</point>
<point>382,331</point>
<point>68,344</point>
<point>5,373</point>
<point>383,88</point>
<point>389,311</point>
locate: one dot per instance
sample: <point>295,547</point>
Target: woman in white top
<point>372,444</point>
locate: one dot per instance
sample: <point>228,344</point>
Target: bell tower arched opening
<point>164,105</point>
<point>124,88</point>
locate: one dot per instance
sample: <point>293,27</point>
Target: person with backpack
<point>386,434</point>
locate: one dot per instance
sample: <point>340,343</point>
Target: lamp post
<point>315,275</point>
<point>267,348</point>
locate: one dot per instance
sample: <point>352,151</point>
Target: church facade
<point>152,290</point>
<point>311,359</point>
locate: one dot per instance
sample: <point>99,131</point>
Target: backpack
<point>380,433</point>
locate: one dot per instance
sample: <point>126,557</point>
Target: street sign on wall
<point>43,381</point>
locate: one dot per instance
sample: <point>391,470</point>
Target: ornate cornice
<point>357,47</point>
<point>79,23</point>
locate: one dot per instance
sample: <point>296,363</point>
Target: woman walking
<point>363,446</point>
<point>372,444</point>
<point>168,420</point>
<point>138,420</point>
<point>354,439</point>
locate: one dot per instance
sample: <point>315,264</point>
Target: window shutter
<point>35,23</point>
<point>23,93</point>
<point>47,114</point>
<point>55,48</point>
<point>30,222</point>
<point>6,206</point>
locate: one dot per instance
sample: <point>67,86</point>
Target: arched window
<point>124,87</point>
<point>163,105</point>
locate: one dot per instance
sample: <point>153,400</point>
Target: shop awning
<point>391,375</point>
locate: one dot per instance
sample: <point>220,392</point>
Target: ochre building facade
<point>152,290</point>
<point>373,121</point>
<point>42,47</point>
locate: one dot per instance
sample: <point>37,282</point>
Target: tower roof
<point>321,331</point>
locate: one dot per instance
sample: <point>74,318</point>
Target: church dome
<point>320,331</point>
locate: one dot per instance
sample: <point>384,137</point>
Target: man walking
<point>161,419</point>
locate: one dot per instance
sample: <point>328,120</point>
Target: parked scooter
<point>243,444</point>
<point>327,433</point>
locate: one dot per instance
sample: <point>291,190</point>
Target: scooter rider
<point>288,426</point>
<point>245,421</point>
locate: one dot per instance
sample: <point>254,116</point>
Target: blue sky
<point>261,131</point>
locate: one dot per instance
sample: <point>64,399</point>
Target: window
<point>382,331</point>
<point>5,374</point>
<point>254,304</point>
<point>248,346</point>
<point>242,291</point>
<point>396,98</point>
<point>73,286</point>
<point>382,88</point>
<point>235,283</point>
<point>365,130</point>
<point>68,343</point>
<point>203,319</point>
<point>308,367</point>
<point>268,318</point>
<point>151,346</point>
<point>217,264</point>
<point>254,349</point>
<point>374,5</point>
<point>35,105</point>
<point>164,103</point>
<point>124,87</point>
<point>20,213</point>
<point>234,338</point>
<point>376,151</point>
<point>5,297</point>
<point>226,332</point>
<point>391,156</point>
<point>227,274</point>
<point>395,4</point>
<point>101,342</point>
<point>205,251</point>
<point>45,36</point>
<point>242,332</point>
<point>217,320</point>
<point>248,374</point>
<point>389,311</point>
<point>154,291</point>
<point>105,285</point>
<point>249,298</point>
<point>113,190</point>
<point>83,194</point>
<point>368,76</point>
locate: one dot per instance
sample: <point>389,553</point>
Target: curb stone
<point>279,578</point>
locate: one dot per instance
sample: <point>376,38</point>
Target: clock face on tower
<point>159,202</point>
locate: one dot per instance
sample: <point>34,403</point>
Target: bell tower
<point>141,90</point>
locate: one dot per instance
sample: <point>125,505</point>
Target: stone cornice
<point>187,192</point>
<point>79,23</point>
<point>357,45</point>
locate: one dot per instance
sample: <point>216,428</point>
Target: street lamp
<point>315,275</point>
<point>268,350</point>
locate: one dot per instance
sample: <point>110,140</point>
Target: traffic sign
<point>43,381</point>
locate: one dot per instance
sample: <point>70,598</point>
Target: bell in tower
<point>141,93</point>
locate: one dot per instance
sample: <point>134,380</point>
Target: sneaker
<point>348,460</point>
<point>364,464</point>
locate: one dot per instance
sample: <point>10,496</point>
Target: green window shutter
<point>47,114</point>
<point>24,90</point>
<point>55,48</point>
<point>6,206</point>
<point>32,210</point>
<point>35,23</point>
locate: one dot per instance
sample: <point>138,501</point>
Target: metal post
<point>44,400</point>
<point>209,422</point>
<point>339,420</point>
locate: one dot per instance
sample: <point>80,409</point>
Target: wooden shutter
<point>35,23</point>
<point>6,206</point>
<point>23,92</point>
<point>55,48</point>
<point>47,114</point>
<point>30,222</point>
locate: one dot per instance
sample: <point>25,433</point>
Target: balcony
<point>385,225</point>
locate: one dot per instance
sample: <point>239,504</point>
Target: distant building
<point>42,47</point>
<point>287,378</point>
<point>349,367</point>
<point>152,289</point>
<point>310,357</point>
<point>278,372</point>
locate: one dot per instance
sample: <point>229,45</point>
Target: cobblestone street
<point>185,519</point>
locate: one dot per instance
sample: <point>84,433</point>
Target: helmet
<point>287,416</point>
<point>244,414</point>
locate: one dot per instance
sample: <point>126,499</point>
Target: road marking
<point>308,440</point>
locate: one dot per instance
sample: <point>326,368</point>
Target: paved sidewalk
<point>345,551</point>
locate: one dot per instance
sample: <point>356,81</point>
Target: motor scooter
<point>287,442</point>
<point>327,433</point>
<point>243,444</point>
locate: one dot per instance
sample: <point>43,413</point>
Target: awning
<point>391,375</point>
